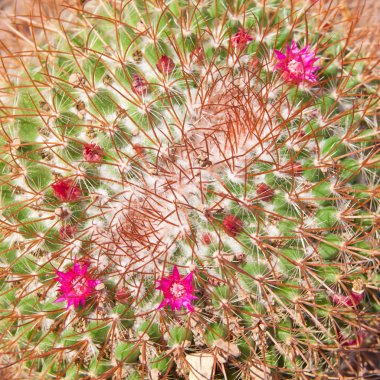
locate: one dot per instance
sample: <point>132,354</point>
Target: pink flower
<point>165,65</point>
<point>93,152</point>
<point>178,291</point>
<point>66,190</point>
<point>76,285</point>
<point>241,39</point>
<point>297,65</point>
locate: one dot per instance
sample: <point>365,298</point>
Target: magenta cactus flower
<point>76,285</point>
<point>297,65</point>
<point>178,291</point>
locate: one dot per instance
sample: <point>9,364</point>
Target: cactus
<point>184,178</point>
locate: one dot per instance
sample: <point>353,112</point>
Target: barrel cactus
<point>187,179</point>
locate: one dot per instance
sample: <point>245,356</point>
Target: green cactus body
<point>181,144</point>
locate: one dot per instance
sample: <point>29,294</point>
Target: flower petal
<point>176,275</point>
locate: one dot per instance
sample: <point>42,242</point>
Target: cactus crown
<point>183,178</point>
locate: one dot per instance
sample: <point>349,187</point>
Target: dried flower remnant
<point>66,190</point>
<point>264,192</point>
<point>355,297</point>
<point>67,232</point>
<point>93,153</point>
<point>139,85</point>
<point>241,39</point>
<point>232,225</point>
<point>178,291</point>
<point>297,65</point>
<point>197,56</point>
<point>353,341</point>
<point>123,295</point>
<point>165,65</point>
<point>207,238</point>
<point>77,285</point>
<point>293,168</point>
